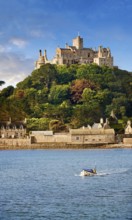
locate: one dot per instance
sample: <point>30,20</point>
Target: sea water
<point>46,184</point>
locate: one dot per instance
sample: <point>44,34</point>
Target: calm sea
<point>46,184</point>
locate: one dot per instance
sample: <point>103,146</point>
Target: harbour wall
<point>13,144</point>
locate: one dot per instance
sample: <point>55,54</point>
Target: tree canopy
<point>59,96</point>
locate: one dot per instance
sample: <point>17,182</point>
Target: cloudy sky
<point>29,25</point>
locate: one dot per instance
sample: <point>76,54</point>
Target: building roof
<point>46,133</point>
<point>12,124</point>
<point>87,131</point>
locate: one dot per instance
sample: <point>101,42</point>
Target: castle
<point>77,54</point>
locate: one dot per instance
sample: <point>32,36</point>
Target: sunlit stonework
<point>77,54</point>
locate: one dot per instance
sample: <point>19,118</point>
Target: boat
<point>88,172</point>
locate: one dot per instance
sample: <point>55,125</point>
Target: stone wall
<point>38,138</point>
<point>93,139</point>
<point>15,142</point>
<point>127,140</point>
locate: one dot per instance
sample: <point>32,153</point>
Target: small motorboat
<point>88,172</point>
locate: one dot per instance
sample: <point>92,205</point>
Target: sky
<point>26,26</point>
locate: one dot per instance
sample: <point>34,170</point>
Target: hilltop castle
<point>77,54</point>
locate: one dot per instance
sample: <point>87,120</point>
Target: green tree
<point>65,74</point>
<point>6,92</point>
<point>85,114</point>
<point>88,95</point>
<point>58,93</point>
<point>25,84</point>
<point>57,126</point>
<point>1,82</point>
<point>38,124</point>
<point>44,76</point>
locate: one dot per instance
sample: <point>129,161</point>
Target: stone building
<point>92,136</point>
<point>128,134</point>
<point>77,54</point>
<point>99,133</point>
<point>11,129</point>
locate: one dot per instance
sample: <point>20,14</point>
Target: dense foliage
<point>59,97</point>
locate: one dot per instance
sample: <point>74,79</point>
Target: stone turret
<point>42,59</point>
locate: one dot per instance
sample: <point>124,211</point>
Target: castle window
<point>77,138</point>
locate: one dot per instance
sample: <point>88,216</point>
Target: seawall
<point>14,144</point>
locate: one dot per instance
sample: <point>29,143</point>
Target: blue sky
<point>29,25</point>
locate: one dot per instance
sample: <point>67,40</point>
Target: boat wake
<point>111,172</point>
<point>108,172</point>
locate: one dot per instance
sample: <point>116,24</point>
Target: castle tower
<point>100,51</point>
<point>78,42</point>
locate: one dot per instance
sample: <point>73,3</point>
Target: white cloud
<point>18,42</point>
<point>14,68</point>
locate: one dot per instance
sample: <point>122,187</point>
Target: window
<point>77,138</point>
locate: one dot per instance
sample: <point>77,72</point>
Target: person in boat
<point>91,170</point>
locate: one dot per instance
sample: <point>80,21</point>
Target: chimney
<point>45,55</point>
<point>101,121</point>
<point>40,53</point>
